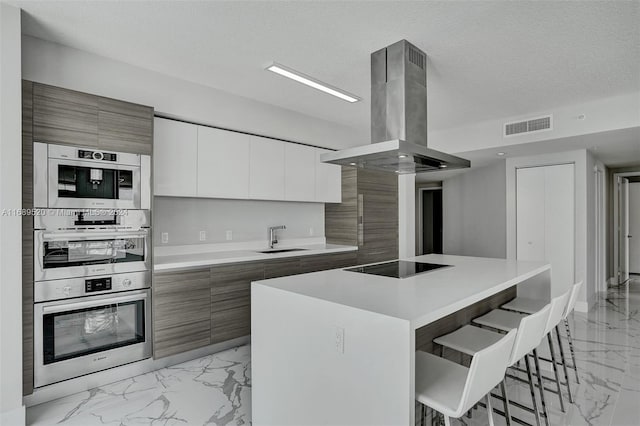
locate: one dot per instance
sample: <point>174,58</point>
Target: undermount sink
<point>282,250</point>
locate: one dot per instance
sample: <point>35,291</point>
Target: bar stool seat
<point>468,339</point>
<point>524,304</point>
<point>440,382</point>
<point>500,320</point>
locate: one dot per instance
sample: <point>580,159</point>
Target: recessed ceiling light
<point>500,154</point>
<point>397,171</point>
<point>402,156</point>
<point>443,166</point>
<point>311,82</point>
<point>352,164</point>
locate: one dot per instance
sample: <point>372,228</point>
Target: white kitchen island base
<point>337,347</point>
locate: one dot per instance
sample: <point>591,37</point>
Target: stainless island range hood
<point>398,117</point>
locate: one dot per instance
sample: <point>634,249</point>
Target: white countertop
<point>420,299</point>
<point>180,260</point>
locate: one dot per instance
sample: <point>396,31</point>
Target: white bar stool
<point>530,331</point>
<point>525,305</point>
<point>507,320</point>
<point>452,389</point>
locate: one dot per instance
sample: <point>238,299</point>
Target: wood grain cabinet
<point>231,299</point>
<point>64,116</point>
<point>69,117</point>
<point>124,126</point>
<point>197,307</point>
<point>181,311</point>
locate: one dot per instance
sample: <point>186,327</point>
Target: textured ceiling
<point>486,59</point>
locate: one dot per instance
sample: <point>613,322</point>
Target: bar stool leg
<point>555,371</point>
<point>507,413</point>
<point>423,414</point>
<point>573,355</point>
<point>490,409</point>
<point>564,364</point>
<point>532,390</point>
<point>541,385</point>
<point>447,421</point>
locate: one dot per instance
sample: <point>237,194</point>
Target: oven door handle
<point>82,305</point>
<point>62,236</point>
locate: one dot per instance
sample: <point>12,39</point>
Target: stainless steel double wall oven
<point>92,261</point>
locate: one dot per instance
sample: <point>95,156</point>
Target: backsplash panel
<point>248,220</point>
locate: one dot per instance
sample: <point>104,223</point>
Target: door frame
<point>601,228</point>
<point>616,222</point>
<point>421,191</point>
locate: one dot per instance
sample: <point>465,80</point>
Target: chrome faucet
<point>272,234</point>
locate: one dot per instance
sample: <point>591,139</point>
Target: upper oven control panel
<point>97,155</point>
<point>45,291</point>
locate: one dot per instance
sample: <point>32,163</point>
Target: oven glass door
<point>70,333</point>
<point>94,182</point>
<point>74,183</point>
<point>80,252</point>
<point>61,254</point>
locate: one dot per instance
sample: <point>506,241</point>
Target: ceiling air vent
<point>528,126</point>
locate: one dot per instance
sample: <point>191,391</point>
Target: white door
<point>299,172</point>
<point>545,218</point>
<point>266,169</point>
<point>634,227</point>
<point>175,158</point>
<point>623,231</point>
<point>223,163</point>
<point>328,180</point>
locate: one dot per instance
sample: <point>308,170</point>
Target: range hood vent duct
<point>398,117</point>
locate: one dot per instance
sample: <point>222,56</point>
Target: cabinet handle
<point>360,219</point>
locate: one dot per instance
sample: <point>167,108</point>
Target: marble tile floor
<point>216,390</point>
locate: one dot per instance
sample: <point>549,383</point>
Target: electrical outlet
<point>165,237</point>
<point>311,232</point>
<point>203,235</point>
<point>339,340</point>
<point>229,235</point>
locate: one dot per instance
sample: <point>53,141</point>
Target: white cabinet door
<point>328,180</point>
<point>175,158</point>
<point>299,172</point>
<point>266,169</point>
<point>223,163</point>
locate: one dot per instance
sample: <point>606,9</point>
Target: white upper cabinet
<point>328,180</point>
<point>223,163</point>
<point>299,172</point>
<point>200,161</point>
<point>175,158</point>
<point>266,169</point>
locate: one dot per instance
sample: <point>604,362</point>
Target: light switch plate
<point>339,340</point>
<point>165,237</point>
<point>229,235</point>
<point>203,235</point>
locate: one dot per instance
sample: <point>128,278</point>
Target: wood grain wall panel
<point>341,219</point>
<point>64,116</point>
<point>27,238</point>
<point>426,334</point>
<point>181,311</point>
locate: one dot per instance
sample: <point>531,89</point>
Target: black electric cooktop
<point>397,268</point>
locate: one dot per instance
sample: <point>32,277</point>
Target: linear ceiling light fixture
<point>311,82</point>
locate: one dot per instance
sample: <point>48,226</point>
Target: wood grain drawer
<point>230,323</point>
<point>282,267</point>
<point>323,262</point>
<point>174,340</point>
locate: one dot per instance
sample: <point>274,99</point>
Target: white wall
<point>11,408</point>
<point>184,218</point>
<point>584,211</point>
<point>617,112</point>
<point>51,63</point>
<point>474,206</point>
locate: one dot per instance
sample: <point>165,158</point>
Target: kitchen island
<point>337,347</point>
